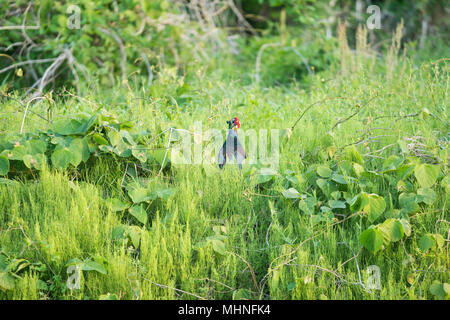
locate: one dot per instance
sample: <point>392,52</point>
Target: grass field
<point>365,143</point>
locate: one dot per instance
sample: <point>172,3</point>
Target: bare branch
<point>18,64</point>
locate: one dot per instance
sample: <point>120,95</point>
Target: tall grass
<point>272,249</point>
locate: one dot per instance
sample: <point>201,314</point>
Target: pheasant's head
<point>234,123</point>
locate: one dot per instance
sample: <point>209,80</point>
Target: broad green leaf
<point>326,186</point>
<point>307,205</point>
<point>336,204</point>
<point>220,237</point>
<point>294,180</point>
<point>127,137</point>
<point>426,242</point>
<point>6,281</point>
<point>408,202</point>
<point>86,124</point>
<point>291,193</point>
<point>4,165</point>
<point>74,262</point>
<point>352,154</point>
<point>9,182</point>
<point>339,178</point>
<point>17,152</point>
<point>35,146</point>
<point>35,161</point>
<point>265,175</point>
<point>373,204</point>
<point>426,174</point>
<point>439,240</point>
<point>347,166</point>
<point>61,141</point>
<point>336,195</point>
<point>158,156</point>
<point>218,246</point>
<point>105,148</point>
<point>405,170</point>
<point>427,195</point>
<point>324,171</point>
<point>438,290</point>
<point>372,240</point>
<point>117,204</point>
<point>119,232</point>
<point>138,194</point>
<point>404,186</point>
<point>291,286</point>
<point>67,127</point>
<point>358,169</point>
<point>93,266</point>
<point>3,262</point>
<point>406,227</point>
<point>139,213</point>
<point>121,148</point>
<point>80,151</point>
<point>392,163</point>
<point>161,194</point>
<point>392,229</point>
<point>446,288</point>
<point>139,154</point>
<point>134,232</point>
<point>99,139</point>
<point>61,158</point>
<point>114,137</point>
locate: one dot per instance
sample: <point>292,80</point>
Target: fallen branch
<point>241,18</point>
<point>18,64</point>
<point>19,28</point>
<point>48,76</point>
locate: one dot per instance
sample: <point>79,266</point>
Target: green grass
<point>272,250</point>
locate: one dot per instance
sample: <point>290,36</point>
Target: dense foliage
<point>88,182</point>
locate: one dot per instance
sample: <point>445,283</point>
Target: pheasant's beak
<point>232,124</point>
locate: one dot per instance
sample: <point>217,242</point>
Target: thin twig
<point>250,269</point>
<point>165,154</point>
<point>18,64</point>
<point>175,289</point>
<point>317,103</point>
<point>25,112</point>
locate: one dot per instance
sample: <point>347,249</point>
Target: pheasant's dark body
<point>232,148</point>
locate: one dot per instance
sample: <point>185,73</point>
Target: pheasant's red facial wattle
<point>237,123</point>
